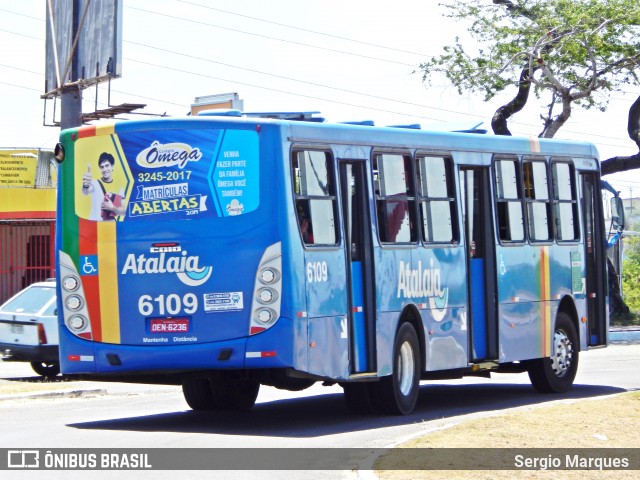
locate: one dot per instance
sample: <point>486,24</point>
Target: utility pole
<point>84,44</point>
<point>70,107</point>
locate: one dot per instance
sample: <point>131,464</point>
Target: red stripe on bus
<point>88,131</point>
<point>88,237</point>
<point>91,283</point>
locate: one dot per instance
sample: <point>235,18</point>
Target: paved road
<point>157,417</point>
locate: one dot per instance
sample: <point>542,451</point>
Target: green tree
<point>631,273</point>
<point>572,52</point>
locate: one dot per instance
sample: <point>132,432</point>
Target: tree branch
<point>619,164</point>
<point>594,77</point>
<point>512,8</point>
<point>499,120</point>
<point>624,163</point>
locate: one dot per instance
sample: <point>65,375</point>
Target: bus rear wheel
<point>397,393</point>
<point>197,393</point>
<point>233,392</point>
<point>556,373</point>
<point>223,392</point>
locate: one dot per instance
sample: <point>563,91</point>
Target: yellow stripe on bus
<point>109,301</point>
<point>545,298</point>
<point>106,129</point>
<point>534,144</point>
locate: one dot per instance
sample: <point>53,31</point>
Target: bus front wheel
<point>397,393</point>
<point>556,373</point>
<point>358,397</point>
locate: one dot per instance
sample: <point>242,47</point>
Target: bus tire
<point>397,393</point>
<point>46,369</point>
<point>556,373</point>
<point>197,393</point>
<point>357,396</point>
<point>235,393</point>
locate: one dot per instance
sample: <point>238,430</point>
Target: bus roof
<point>304,127</point>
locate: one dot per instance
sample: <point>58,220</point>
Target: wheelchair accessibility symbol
<point>89,264</point>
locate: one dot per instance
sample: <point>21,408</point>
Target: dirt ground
<point>610,422</point>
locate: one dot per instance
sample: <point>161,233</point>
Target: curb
<point>629,334</point>
<point>55,394</point>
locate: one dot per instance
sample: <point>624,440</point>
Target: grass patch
<point>610,422</point>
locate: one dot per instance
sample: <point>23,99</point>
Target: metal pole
<point>70,107</point>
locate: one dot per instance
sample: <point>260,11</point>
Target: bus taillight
<point>265,308</point>
<point>76,314</point>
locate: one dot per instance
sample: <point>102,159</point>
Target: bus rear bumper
<point>264,350</point>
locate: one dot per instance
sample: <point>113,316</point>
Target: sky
<point>350,60</point>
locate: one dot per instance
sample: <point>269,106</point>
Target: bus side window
<point>315,197</point>
<point>394,198</point>
<point>564,202</point>
<point>437,206</point>
<point>536,193</point>
<point>508,201</point>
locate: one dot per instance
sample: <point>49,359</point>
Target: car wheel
<point>46,369</point>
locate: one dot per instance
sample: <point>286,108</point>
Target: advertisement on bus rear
<point>164,175</point>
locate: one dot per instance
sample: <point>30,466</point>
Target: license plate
<point>169,325</point>
<point>18,329</point>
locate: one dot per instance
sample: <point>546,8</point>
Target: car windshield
<point>30,300</point>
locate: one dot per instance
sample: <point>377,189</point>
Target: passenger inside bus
<point>306,228</point>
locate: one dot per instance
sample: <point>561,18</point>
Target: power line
<point>21,14</point>
<point>19,86</point>
<point>294,79</point>
<point>310,83</point>
<point>304,29</point>
<point>302,95</point>
<point>272,38</point>
<point>21,34</point>
<point>21,69</point>
<point>283,91</point>
<point>347,91</point>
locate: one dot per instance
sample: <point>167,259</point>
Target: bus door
<point>481,275</point>
<point>593,228</point>
<point>360,277</point>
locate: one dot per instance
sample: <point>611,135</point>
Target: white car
<point>29,328</point>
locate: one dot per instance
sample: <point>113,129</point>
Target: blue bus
<point>228,251</point>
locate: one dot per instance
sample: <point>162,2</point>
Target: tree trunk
<point>552,126</point>
<point>616,303</point>
<point>624,163</point>
<point>499,120</point>
<point>633,125</point>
